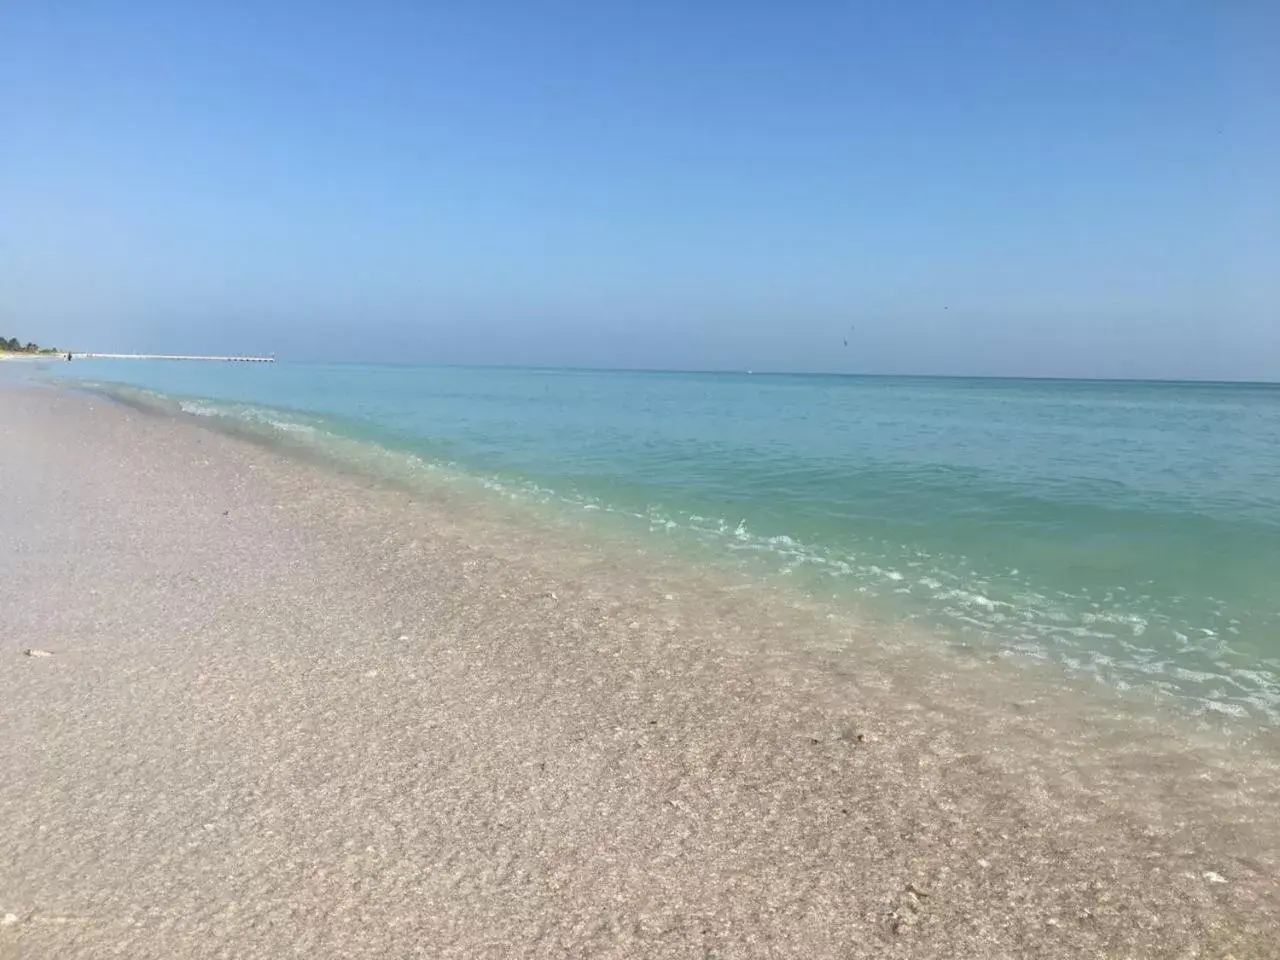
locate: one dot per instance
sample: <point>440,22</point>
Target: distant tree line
<point>13,345</point>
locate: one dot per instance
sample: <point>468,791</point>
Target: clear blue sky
<point>1087,188</point>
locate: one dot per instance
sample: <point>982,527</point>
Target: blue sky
<point>990,188</point>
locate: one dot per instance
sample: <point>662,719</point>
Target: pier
<point>164,356</point>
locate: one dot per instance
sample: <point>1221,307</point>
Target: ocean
<point>1127,532</point>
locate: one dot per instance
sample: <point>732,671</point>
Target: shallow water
<point>1129,531</point>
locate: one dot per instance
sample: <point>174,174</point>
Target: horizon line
<point>787,373</point>
<point>577,368</point>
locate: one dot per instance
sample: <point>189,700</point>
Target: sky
<point>987,188</point>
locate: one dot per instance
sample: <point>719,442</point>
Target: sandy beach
<point>289,711</point>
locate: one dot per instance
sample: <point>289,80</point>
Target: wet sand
<point>293,712</point>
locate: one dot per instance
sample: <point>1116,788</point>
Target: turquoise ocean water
<point>1129,531</point>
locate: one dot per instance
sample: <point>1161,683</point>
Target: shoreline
<point>550,747</point>
<point>317,438</point>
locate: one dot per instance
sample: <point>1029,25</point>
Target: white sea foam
<point>198,409</point>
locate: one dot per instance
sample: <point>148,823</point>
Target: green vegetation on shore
<point>13,345</point>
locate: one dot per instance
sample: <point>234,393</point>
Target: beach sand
<point>289,711</point>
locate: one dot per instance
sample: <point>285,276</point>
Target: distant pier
<point>165,356</point>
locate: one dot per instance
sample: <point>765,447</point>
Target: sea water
<point>1127,531</point>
